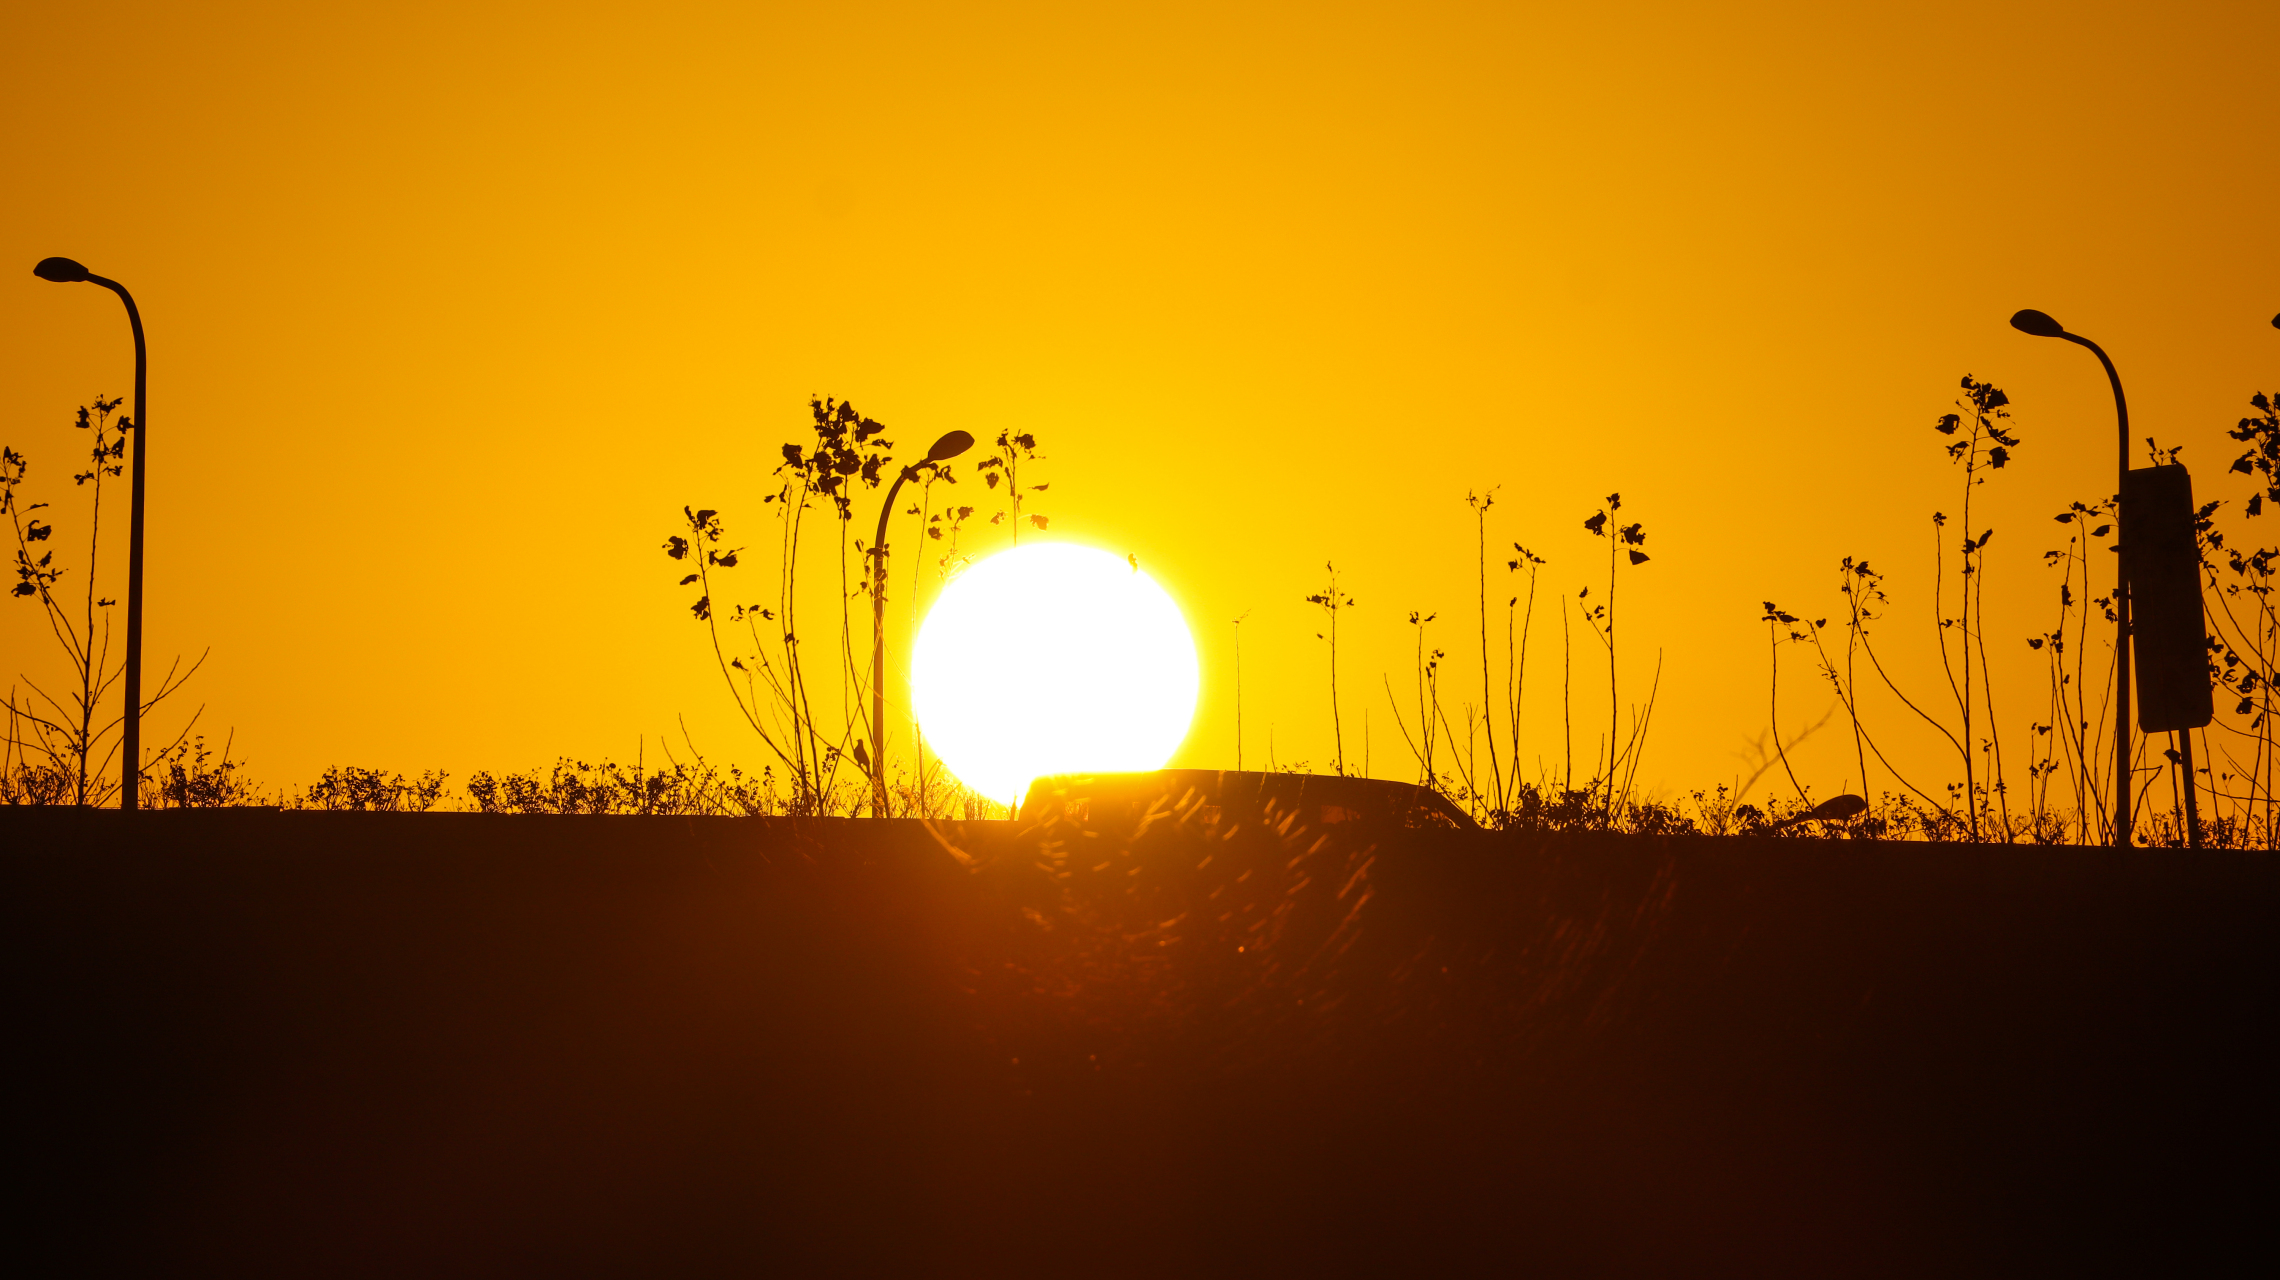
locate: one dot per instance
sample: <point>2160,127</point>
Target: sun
<point>1052,658</point>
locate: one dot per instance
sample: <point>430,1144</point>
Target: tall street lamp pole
<point>65,271</point>
<point>948,447</point>
<point>2042,326</point>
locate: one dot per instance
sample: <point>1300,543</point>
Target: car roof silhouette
<point>1094,799</point>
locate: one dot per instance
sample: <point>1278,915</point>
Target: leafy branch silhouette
<point>1619,758</point>
<point>64,749</point>
<point>1331,600</point>
<point>763,648</point>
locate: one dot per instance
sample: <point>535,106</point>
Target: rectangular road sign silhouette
<point>2163,564</point>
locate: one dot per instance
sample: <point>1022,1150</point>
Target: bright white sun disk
<point>1052,658</point>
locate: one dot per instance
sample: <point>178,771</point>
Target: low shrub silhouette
<point>189,776</point>
<point>573,786</point>
<point>353,787</point>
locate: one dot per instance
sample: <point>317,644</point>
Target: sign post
<point>2161,562</point>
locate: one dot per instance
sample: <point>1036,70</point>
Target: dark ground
<point>252,1043</point>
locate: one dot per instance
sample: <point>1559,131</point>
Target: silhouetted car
<point>1120,802</point>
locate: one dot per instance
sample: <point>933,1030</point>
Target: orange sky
<point>452,310</point>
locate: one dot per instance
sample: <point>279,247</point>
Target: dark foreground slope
<point>330,1044</point>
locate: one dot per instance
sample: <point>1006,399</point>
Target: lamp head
<point>2038,324</point>
<point>60,270</point>
<point>950,446</point>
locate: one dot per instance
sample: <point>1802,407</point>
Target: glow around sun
<point>1052,658</point>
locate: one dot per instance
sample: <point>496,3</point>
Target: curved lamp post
<point>948,447</point>
<point>2042,326</point>
<point>65,271</point>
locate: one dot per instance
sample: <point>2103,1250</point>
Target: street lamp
<point>948,447</point>
<point>2042,325</point>
<point>65,271</point>
<point>2158,574</point>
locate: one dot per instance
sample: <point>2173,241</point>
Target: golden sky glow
<point>452,309</point>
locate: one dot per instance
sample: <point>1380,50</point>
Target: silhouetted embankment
<point>394,1044</point>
